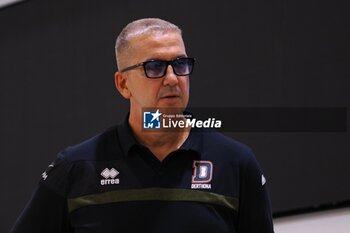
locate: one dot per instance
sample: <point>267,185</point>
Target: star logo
<point>156,115</point>
<point>151,120</point>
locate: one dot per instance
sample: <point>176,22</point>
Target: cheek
<point>136,87</point>
<point>185,85</point>
<point>144,91</point>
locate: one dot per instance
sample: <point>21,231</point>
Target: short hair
<point>141,27</point>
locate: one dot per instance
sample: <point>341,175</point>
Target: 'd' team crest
<point>202,174</point>
<point>151,120</point>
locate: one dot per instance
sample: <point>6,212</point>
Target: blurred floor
<point>330,221</point>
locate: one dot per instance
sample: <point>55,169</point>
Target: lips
<point>170,96</point>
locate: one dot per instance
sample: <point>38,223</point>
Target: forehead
<point>157,46</point>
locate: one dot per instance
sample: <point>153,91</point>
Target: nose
<point>170,77</point>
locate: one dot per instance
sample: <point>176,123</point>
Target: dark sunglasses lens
<point>183,66</point>
<point>155,69</point>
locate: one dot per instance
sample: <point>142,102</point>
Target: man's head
<point>137,28</point>
<point>152,39</point>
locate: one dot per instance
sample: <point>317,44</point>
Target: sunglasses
<point>157,68</point>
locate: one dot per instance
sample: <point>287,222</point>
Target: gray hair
<point>141,27</point>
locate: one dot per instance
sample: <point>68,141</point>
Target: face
<point>170,91</point>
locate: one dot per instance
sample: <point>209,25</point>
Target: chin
<point>172,109</point>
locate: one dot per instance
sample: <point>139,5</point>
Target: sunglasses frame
<point>165,70</point>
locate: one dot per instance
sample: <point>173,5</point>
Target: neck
<point>161,143</point>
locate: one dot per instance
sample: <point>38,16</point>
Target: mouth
<point>170,96</point>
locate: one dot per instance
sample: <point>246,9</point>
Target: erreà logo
<point>109,176</point>
<point>202,174</point>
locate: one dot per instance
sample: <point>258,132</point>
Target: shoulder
<point>99,147</point>
<point>220,147</point>
<point>84,155</point>
<point>219,139</point>
<point>230,152</point>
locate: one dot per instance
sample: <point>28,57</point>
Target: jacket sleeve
<point>45,212</point>
<point>47,209</point>
<point>255,215</point>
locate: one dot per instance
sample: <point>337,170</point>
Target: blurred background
<point>57,69</point>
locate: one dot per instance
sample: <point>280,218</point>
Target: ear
<point>121,85</point>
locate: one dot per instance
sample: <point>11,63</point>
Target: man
<point>129,179</point>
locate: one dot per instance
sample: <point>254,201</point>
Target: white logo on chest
<point>109,176</point>
<point>202,174</point>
